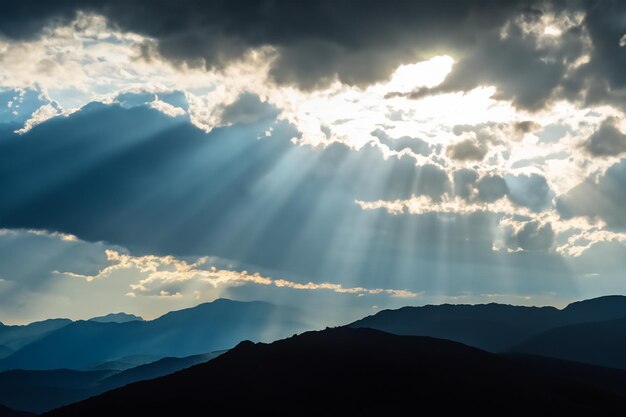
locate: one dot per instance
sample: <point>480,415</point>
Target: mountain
<point>596,309</point>
<point>347,371</point>
<point>604,379</point>
<point>116,318</point>
<point>8,412</point>
<point>207,327</point>
<point>493,327</point>
<point>13,338</point>
<point>127,362</point>
<point>598,343</point>
<point>156,369</point>
<point>5,351</point>
<point>40,391</point>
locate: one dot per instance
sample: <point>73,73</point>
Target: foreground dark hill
<point>348,371</point>
<point>40,391</point>
<point>205,328</point>
<point>599,343</point>
<point>493,327</point>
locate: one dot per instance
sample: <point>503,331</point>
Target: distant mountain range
<point>599,343</point>
<point>591,331</point>
<point>116,318</point>
<point>13,338</point>
<point>40,391</point>
<point>356,371</point>
<point>58,362</point>
<point>207,327</point>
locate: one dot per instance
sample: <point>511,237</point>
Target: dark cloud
<point>523,69</point>
<point>491,188</point>
<point>533,236</point>
<point>531,73</point>
<point>602,79</point>
<point>530,191</point>
<point>467,150</point>
<point>357,42</point>
<point>248,108</point>
<point>603,198</point>
<point>416,145</point>
<point>526,126</point>
<point>608,140</point>
<point>361,42</point>
<point>464,182</point>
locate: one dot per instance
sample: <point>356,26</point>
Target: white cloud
<point>157,272</point>
<point>576,235</point>
<point>166,108</point>
<point>38,232</point>
<point>43,113</point>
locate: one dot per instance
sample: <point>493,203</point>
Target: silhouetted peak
<point>607,300</point>
<point>603,308</point>
<point>223,301</point>
<point>245,344</point>
<point>116,318</point>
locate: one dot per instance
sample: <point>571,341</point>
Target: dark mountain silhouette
<point>156,369</point>
<point>599,343</point>
<point>116,318</point>
<point>40,391</point>
<point>596,309</point>
<point>205,328</point>
<point>605,379</point>
<point>8,412</point>
<point>13,338</point>
<point>349,371</point>
<point>493,327</point>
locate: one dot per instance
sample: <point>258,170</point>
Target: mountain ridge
<point>204,328</point>
<point>346,370</point>
<point>493,327</point>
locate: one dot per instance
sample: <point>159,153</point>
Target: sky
<point>338,156</point>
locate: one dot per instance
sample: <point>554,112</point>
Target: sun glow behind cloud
<point>477,129</point>
<point>104,63</point>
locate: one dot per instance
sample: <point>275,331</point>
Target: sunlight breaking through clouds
<point>461,149</point>
<point>573,236</point>
<point>160,271</point>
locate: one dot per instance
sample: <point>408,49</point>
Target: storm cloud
<point>357,42</point>
<point>601,198</point>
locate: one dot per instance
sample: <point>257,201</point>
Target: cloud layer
<point>448,148</point>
